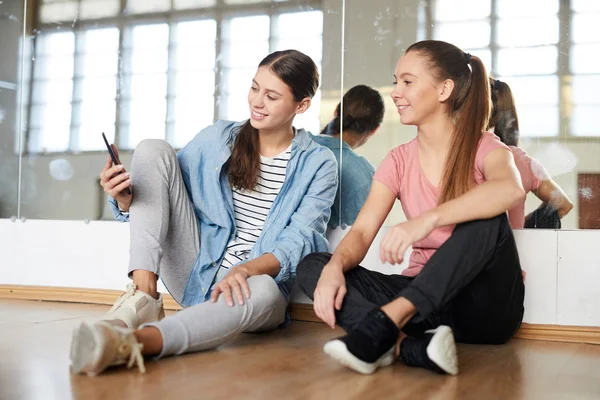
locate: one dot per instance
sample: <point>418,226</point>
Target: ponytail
<point>471,121</point>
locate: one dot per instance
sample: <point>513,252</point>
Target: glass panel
<point>510,31</point>
<point>287,24</point>
<point>585,121</point>
<point>447,10</point>
<point>91,9</point>
<point>147,121</point>
<point>538,121</point>
<point>234,107</point>
<point>195,83</point>
<point>246,29</point>
<point>147,6</point>
<point>192,114</point>
<point>528,61</point>
<point>585,28</point>
<point>185,4</point>
<point>59,90</point>
<point>533,90</point>
<point>51,124</point>
<point>585,89</point>
<point>464,34</point>
<point>59,11</point>
<point>96,117</point>
<point>585,5</point>
<point>529,8</point>
<point>238,80</point>
<point>584,58</point>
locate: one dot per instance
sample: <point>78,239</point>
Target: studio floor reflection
<point>285,364</point>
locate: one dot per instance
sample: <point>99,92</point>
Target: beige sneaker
<point>96,347</point>
<point>135,308</point>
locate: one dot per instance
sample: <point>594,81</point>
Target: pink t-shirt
<point>532,175</point>
<point>401,172</point>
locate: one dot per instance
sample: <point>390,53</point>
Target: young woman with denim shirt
<point>356,122</point>
<point>455,182</point>
<point>223,223</point>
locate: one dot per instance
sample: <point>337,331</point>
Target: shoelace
<point>135,355</point>
<point>131,288</point>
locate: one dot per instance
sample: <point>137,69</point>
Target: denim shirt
<point>295,225</point>
<point>355,183</point>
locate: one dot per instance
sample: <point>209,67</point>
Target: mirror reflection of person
<point>504,122</point>
<point>455,182</point>
<point>224,223</point>
<point>363,111</point>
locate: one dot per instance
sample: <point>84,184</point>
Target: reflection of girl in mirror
<point>455,182</point>
<point>360,117</point>
<point>224,223</point>
<point>504,122</point>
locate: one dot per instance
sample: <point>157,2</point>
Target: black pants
<point>472,283</point>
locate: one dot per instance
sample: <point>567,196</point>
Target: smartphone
<point>115,160</point>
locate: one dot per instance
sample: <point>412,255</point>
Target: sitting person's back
<point>356,119</point>
<point>504,122</point>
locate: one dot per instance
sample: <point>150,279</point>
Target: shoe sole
<point>442,349</point>
<point>337,350</point>
<point>83,348</point>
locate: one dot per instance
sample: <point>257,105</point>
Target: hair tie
<point>467,58</point>
<point>496,84</point>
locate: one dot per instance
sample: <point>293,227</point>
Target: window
<point>182,64</point>
<point>519,43</point>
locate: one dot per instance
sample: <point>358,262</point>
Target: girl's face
<point>272,104</point>
<point>418,96</point>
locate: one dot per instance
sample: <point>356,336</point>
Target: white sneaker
<point>99,346</point>
<point>135,308</point>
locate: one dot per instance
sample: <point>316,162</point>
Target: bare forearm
<point>267,264</point>
<point>351,251</point>
<point>485,201</point>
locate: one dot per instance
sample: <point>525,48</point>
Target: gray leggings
<point>164,240</point>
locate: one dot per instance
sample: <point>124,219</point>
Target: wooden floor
<point>287,364</point>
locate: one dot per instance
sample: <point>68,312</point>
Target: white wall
<point>563,268</point>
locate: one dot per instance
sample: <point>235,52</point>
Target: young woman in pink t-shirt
<point>504,122</point>
<point>455,183</point>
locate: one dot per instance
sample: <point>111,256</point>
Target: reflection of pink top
<point>532,175</point>
<point>401,172</point>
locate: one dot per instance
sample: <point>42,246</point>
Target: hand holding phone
<point>114,179</point>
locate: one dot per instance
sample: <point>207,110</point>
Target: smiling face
<point>417,94</point>
<point>272,104</point>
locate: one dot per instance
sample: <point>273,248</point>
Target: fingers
<point>237,291</point>
<point>339,298</point>
<point>227,293</point>
<point>324,306</point>
<point>244,285</point>
<point>122,181</point>
<point>214,296</point>
<point>110,173</point>
<point>108,164</point>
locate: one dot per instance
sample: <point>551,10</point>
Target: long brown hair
<point>469,105</point>
<point>300,73</point>
<point>504,117</point>
<point>362,112</point>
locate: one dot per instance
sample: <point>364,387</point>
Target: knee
<point>310,268</point>
<point>263,289</point>
<point>153,149</point>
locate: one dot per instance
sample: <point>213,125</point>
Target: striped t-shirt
<point>251,208</point>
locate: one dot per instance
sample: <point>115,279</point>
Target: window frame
<point>219,13</point>
<point>563,70</point>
